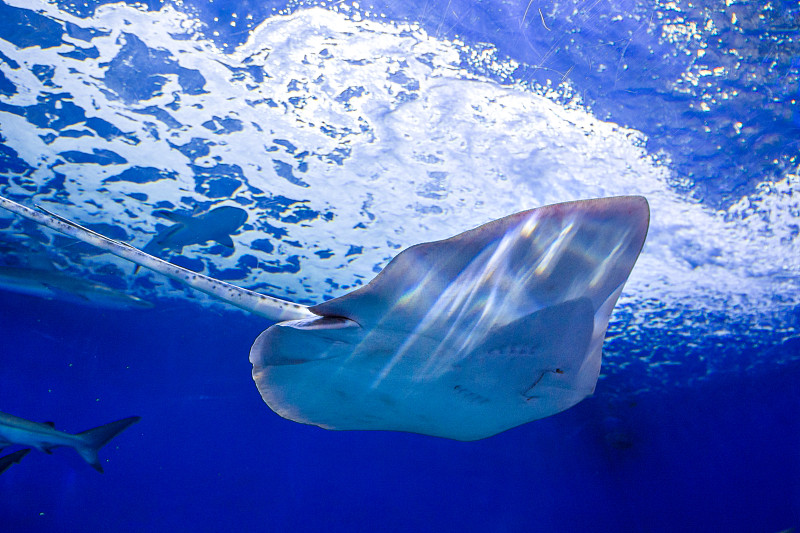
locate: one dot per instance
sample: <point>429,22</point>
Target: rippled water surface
<point>334,135</point>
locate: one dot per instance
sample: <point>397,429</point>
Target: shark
<point>461,338</point>
<point>216,225</point>
<point>51,284</point>
<point>44,437</point>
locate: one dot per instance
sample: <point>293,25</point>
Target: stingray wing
<point>517,264</point>
<point>464,337</point>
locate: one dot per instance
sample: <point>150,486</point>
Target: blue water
<point>347,135</point>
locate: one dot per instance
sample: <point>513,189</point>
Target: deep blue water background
<point>208,455</point>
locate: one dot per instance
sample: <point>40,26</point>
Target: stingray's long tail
<point>266,306</point>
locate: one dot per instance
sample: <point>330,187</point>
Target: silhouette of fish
<point>217,225</point>
<point>51,283</point>
<point>45,437</point>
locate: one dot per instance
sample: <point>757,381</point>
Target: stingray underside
<point>466,337</point>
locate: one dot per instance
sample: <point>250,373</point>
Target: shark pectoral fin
<point>179,218</point>
<point>153,247</point>
<point>225,241</point>
<point>61,294</point>
<point>7,460</point>
<point>52,291</point>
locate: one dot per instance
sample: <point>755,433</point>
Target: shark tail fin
<point>94,439</point>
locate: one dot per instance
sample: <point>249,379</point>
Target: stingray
<point>461,338</point>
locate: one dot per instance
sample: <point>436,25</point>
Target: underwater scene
<point>508,265</point>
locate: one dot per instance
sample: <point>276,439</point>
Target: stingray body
<point>461,338</point>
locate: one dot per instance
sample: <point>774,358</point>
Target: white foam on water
<point>404,146</point>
